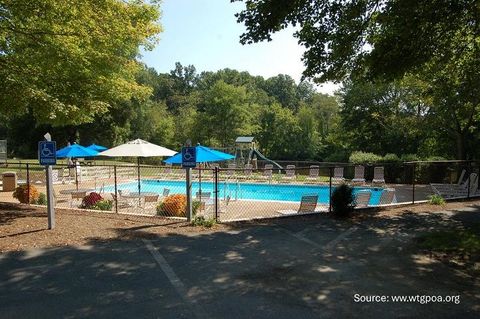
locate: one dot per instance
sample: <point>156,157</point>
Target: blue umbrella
<point>204,155</point>
<point>98,148</point>
<point>76,150</point>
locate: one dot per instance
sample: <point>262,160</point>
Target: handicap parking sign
<point>189,157</point>
<point>47,153</point>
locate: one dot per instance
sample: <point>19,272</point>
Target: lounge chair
<point>231,170</point>
<point>359,175</point>
<point>378,175</point>
<point>77,197</point>
<point>267,172</point>
<point>338,175</point>
<point>387,197</point>
<point>308,204</point>
<point>457,190</point>
<point>290,172</point>
<point>313,173</point>
<point>362,198</point>
<point>247,171</point>
<point>121,201</point>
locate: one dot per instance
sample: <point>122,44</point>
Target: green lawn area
<point>463,242</point>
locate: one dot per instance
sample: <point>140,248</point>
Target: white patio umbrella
<point>138,148</point>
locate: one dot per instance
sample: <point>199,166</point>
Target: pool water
<point>248,191</point>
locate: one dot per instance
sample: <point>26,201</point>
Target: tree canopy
<point>368,38</point>
<point>65,62</point>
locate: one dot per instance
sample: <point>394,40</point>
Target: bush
<point>364,158</point>
<point>103,205</point>
<point>42,199</point>
<point>436,200</point>
<point>202,221</point>
<point>23,191</point>
<point>391,158</point>
<point>409,158</point>
<point>91,200</point>
<point>342,201</point>
<point>176,205</point>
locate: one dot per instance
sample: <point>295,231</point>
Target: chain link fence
<point>229,193</point>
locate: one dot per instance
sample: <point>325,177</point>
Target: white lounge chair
<point>308,204</point>
<point>267,172</point>
<point>231,169</point>
<point>362,198</point>
<point>378,175</point>
<point>205,199</point>
<point>458,190</point>
<point>388,197</point>
<point>290,172</point>
<point>313,173</point>
<point>359,175</point>
<point>247,171</point>
<point>338,175</point>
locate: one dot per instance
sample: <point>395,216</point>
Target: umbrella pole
<point>138,174</point>
<point>76,175</point>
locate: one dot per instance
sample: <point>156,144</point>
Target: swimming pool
<point>248,191</point>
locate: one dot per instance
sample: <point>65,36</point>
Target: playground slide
<point>262,157</point>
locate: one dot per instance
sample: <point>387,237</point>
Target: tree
<point>69,61</point>
<point>378,38</point>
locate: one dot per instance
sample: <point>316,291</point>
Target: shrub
<point>409,158</point>
<point>364,158</point>
<point>42,199</point>
<point>23,191</point>
<point>103,205</point>
<point>91,200</point>
<point>391,158</point>
<point>176,205</point>
<point>436,200</point>
<point>342,201</point>
<point>202,221</point>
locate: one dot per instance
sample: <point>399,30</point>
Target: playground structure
<point>246,152</point>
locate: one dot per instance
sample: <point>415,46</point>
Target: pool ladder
<point>227,191</point>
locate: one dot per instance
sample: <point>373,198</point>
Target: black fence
<point>231,193</point>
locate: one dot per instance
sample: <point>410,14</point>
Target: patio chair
<point>313,173</point>
<point>387,197</point>
<point>205,199</point>
<point>359,175</point>
<point>166,192</point>
<point>362,198</point>
<point>338,175</point>
<point>378,175</point>
<point>267,172</point>
<point>247,171</point>
<point>308,204</point>
<point>150,201</point>
<point>290,173</point>
<point>77,197</point>
<point>121,202</point>
<point>457,190</point>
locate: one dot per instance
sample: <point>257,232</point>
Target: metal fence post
<point>413,183</point>
<point>28,184</point>
<point>330,169</point>
<point>116,190</point>
<point>469,171</point>
<point>215,172</point>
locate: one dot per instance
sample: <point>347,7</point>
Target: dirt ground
<point>23,227</point>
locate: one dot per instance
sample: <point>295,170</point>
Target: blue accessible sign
<point>189,157</point>
<point>47,153</point>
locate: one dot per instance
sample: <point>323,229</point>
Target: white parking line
<point>196,309</point>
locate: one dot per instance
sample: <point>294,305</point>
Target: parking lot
<point>309,267</point>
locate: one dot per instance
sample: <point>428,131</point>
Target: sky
<point>205,33</point>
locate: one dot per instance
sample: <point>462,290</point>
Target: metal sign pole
<point>189,193</point>
<point>50,202</point>
<point>188,161</point>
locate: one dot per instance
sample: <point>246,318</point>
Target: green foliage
<point>409,158</point>
<point>67,62</point>
<point>342,201</point>
<point>204,222</point>
<point>463,241</point>
<point>391,158</point>
<point>42,199</point>
<point>436,200</point>
<point>103,204</point>
<point>364,158</point>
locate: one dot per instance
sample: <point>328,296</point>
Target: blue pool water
<point>251,191</point>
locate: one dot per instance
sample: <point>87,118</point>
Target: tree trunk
<point>461,149</point>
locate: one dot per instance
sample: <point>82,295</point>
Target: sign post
<point>189,160</point>
<point>47,156</point>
